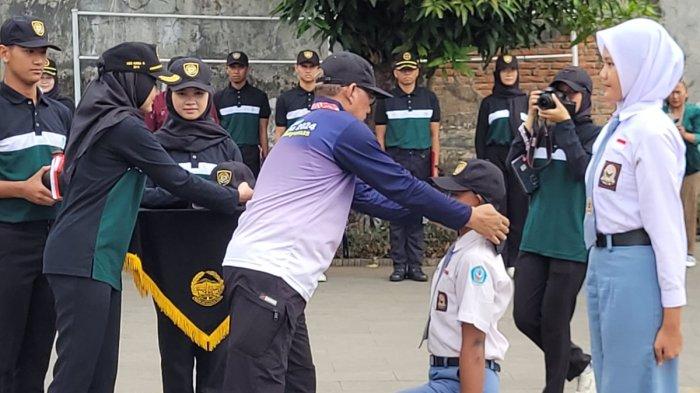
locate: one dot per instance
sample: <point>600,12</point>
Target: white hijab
<point>649,63</point>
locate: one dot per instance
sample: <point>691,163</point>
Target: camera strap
<point>542,131</point>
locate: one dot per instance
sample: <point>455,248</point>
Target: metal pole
<point>179,16</point>
<point>574,50</point>
<point>211,61</point>
<point>76,55</point>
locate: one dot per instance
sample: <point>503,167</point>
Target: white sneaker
<point>585,383</point>
<point>323,278</point>
<point>690,261</point>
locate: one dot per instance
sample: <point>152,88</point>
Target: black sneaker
<point>416,274</point>
<point>398,275</point>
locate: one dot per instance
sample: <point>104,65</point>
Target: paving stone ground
<point>365,331</point>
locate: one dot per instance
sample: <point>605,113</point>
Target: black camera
<point>546,101</point>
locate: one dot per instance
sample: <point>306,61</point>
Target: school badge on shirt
<point>441,304</point>
<point>610,175</point>
<point>478,275</point>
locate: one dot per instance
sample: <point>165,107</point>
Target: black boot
<point>399,273</point>
<point>416,274</point>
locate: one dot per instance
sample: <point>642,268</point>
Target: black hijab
<point>189,135</point>
<point>108,100</point>
<point>578,80</point>
<point>509,93</point>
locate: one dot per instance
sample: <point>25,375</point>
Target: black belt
<point>637,237</point>
<point>438,361</point>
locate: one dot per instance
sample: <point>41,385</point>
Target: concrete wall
<point>209,39</point>
<point>682,19</point>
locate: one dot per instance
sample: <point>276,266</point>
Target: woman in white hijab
<point>634,217</point>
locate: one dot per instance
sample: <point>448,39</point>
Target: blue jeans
<point>446,380</point>
<point>624,314</point>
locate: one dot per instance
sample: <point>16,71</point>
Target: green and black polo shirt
<point>554,224</point>
<point>408,117</point>
<point>240,112</point>
<point>493,123</point>
<point>93,229</point>
<point>292,105</point>
<point>28,135</point>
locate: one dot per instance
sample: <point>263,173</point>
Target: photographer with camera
<point>555,145</point>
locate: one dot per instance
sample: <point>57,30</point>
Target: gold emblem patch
<point>223,177</point>
<point>191,69</point>
<point>308,54</point>
<point>38,27</point>
<point>207,288</point>
<point>407,56</point>
<point>47,63</point>
<point>461,166</point>
<point>507,59</point>
<point>236,55</point>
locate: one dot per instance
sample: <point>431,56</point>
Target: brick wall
<point>460,95</point>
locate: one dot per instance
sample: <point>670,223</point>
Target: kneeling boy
<point>469,294</point>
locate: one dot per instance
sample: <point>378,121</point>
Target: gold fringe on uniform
<point>146,286</point>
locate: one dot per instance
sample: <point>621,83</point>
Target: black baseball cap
<point>237,57</point>
<point>193,72</point>
<point>506,61</point>
<point>25,31</point>
<point>232,174</point>
<point>344,68</point>
<point>136,57</point>
<point>575,77</point>
<point>406,60</point>
<point>50,67</point>
<point>479,176</point>
<point>308,57</point>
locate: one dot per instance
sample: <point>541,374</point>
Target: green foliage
<point>447,31</point>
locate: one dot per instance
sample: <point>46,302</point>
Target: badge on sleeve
<point>441,304</point>
<point>610,175</point>
<point>478,275</point>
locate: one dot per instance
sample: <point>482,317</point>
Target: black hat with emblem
<point>344,68</point>
<point>193,72</point>
<point>25,31</point>
<point>232,174</point>
<point>50,67</point>
<point>479,176</point>
<point>237,57</point>
<point>137,57</point>
<point>308,57</point>
<point>406,60</point>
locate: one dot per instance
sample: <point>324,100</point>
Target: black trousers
<point>177,360</point>
<point>268,347</point>
<point>517,203</point>
<point>251,157</point>
<point>544,302</point>
<point>407,240</point>
<point>27,318</point>
<point>88,316</point>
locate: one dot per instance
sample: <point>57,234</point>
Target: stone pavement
<point>365,331</point>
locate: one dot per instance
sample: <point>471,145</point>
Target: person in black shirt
<point>244,112</point>
<point>49,85</point>
<point>295,103</point>
<point>109,155</point>
<point>500,115</point>
<point>33,126</point>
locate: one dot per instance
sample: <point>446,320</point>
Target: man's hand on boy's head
<point>489,223</point>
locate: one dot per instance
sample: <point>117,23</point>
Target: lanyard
<point>448,258</point>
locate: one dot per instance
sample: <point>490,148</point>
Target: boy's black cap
<point>136,57</point>
<point>237,57</point>
<point>232,174</point>
<point>308,57</point>
<point>193,72</point>
<point>406,60</point>
<point>50,67</point>
<point>344,68</point>
<point>479,176</point>
<point>575,77</point>
<point>25,31</point>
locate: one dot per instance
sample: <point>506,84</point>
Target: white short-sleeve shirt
<point>474,289</point>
